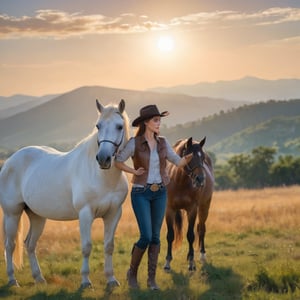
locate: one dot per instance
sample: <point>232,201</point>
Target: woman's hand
<point>122,166</point>
<point>188,157</point>
<point>139,171</point>
<point>185,160</point>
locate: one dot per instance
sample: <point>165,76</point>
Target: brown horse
<point>190,189</point>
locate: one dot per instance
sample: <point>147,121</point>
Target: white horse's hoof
<point>40,280</point>
<point>13,282</point>
<point>86,285</point>
<point>113,283</point>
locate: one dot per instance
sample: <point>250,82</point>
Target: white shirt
<point>154,166</point>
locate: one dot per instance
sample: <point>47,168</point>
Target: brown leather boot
<point>136,257</point>
<point>153,251</point>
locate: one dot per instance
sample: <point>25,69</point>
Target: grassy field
<point>252,243</point>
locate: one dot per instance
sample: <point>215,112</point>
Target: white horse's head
<point>112,126</point>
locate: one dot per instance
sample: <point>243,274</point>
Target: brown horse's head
<point>195,168</point>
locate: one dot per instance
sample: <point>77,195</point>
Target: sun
<point>165,43</point>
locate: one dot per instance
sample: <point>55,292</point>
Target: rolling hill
<point>71,116</point>
<point>272,123</point>
<point>283,133</point>
<point>15,104</point>
<point>249,89</point>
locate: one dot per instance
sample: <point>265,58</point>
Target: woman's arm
<point>174,158</point>
<point>123,155</point>
<point>122,166</point>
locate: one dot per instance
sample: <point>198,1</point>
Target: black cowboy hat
<point>148,112</point>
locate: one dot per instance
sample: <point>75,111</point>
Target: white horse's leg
<point>37,225</point>
<point>85,221</point>
<point>10,228</point>
<point>111,221</point>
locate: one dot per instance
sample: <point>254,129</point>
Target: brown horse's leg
<point>201,232</point>
<point>170,238</point>
<point>201,228</point>
<point>191,239</point>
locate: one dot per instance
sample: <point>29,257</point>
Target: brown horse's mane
<point>179,148</point>
<point>177,143</point>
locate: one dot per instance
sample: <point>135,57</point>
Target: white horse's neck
<point>87,147</point>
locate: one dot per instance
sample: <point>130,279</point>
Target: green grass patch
<point>281,281</point>
<point>245,265</point>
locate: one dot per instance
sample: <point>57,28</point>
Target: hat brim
<point>138,120</point>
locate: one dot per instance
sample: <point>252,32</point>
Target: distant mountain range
<point>71,116</point>
<point>15,104</point>
<point>250,89</point>
<point>230,126</point>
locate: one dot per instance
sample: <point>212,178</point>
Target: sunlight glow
<point>165,44</point>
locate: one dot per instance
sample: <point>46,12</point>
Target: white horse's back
<point>37,177</point>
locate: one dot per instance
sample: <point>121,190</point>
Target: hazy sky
<point>56,46</point>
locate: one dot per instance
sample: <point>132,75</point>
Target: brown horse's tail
<point>18,252</point>
<point>178,228</point>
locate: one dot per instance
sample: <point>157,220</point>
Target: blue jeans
<point>149,209</point>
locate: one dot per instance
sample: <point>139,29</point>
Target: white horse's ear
<point>121,106</point>
<point>99,106</point>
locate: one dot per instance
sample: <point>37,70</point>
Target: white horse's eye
<point>119,127</point>
<point>98,126</point>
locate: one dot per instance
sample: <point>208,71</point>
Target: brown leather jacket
<point>142,156</point>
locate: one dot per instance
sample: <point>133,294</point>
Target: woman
<point>149,153</point>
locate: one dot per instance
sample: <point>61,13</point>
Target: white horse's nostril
<point>104,161</point>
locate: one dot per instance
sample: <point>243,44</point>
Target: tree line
<point>254,170</point>
<point>257,169</point>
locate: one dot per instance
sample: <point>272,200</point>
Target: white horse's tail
<point>19,250</point>
<point>18,253</point>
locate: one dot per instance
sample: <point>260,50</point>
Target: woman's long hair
<point>142,128</point>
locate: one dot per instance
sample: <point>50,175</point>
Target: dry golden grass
<point>231,211</point>
<point>269,208</point>
<point>242,210</point>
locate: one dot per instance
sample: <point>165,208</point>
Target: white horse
<point>81,184</point>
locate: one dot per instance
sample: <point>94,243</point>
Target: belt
<point>154,187</point>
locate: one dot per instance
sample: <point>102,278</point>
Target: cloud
<point>61,24</point>
<point>276,15</point>
<point>271,16</point>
